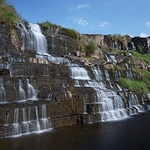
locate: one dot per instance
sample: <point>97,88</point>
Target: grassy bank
<point>8,14</point>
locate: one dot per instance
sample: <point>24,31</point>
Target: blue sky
<point>130,17</point>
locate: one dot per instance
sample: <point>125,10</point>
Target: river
<point>129,134</point>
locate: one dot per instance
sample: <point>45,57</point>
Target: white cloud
<point>103,24</point>
<point>81,21</point>
<point>83,6</point>
<point>144,35</point>
<point>147,23</point>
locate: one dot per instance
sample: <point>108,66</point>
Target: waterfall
<point>38,128</point>
<point>33,39</point>
<point>22,95</point>
<point>38,40</point>
<point>106,102</point>
<point>129,75</point>
<point>107,75</point>
<point>133,46</point>
<point>79,73</point>
<point>117,75</point>
<point>31,93</point>
<point>2,91</point>
<point>97,73</point>
<point>16,130</point>
<point>45,123</point>
<point>25,123</point>
<point>134,102</point>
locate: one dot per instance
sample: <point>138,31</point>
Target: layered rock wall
<point>38,94</point>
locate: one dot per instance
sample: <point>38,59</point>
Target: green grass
<point>136,55</point>
<point>145,76</point>
<point>8,14</point>
<point>125,53</point>
<point>138,86</point>
<point>70,32</point>
<point>141,57</point>
<point>48,24</point>
<point>90,48</point>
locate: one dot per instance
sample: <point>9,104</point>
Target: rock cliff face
<point>40,90</point>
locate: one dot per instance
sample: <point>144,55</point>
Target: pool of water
<point>129,134</point>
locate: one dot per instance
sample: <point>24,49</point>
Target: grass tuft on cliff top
<point>70,32</point>
<point>8,14</point>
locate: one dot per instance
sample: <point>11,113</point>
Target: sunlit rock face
<point>41,88</point>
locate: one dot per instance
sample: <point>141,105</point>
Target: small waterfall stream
<point>2,91</point>
<point>22,95</point>
<point>45,122</point>
<point>31,93</point>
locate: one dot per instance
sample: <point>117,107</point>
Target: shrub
<point>141,57</point>
<point>138,86</point>
<point>90,48</point>
<point>8,14</point>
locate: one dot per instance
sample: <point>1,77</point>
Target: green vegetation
<point>48,24</point>
<point>138,86</point>
<point>8,14</point>
<point>125,53</point>
<point>144,75</point>
<point>120,38</point>
<point>90,48</point>
<point>141,86</point>
<point>70,32</point>
<point>139,48</point>
<point>141,57</point>
<point>136,55</point>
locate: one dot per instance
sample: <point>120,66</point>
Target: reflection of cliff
<point>44,83</point>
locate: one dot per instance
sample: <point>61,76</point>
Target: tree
<point>90,48</point>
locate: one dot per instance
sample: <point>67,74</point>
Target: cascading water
<point>45,123</point>
<point>107,75</point>
<point>133,46</point>
<point>129,75</point>
<point>79,73</point>
<point>2,91</point>
<point>31,93</point>
<point>134,103</point>
<point>16,130</point>
<point>106,102</point>
<point>25,123</point>
<point>22,95</point>
<point>38,128</point>
<point>27,120</point>
<point>33,39</point>
<point>97,73</point>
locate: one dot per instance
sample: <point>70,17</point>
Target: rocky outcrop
<point>10,40</point>
<point>60,43</point>
<point>142,45</point>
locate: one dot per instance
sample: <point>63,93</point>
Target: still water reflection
<point>129,134</point>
